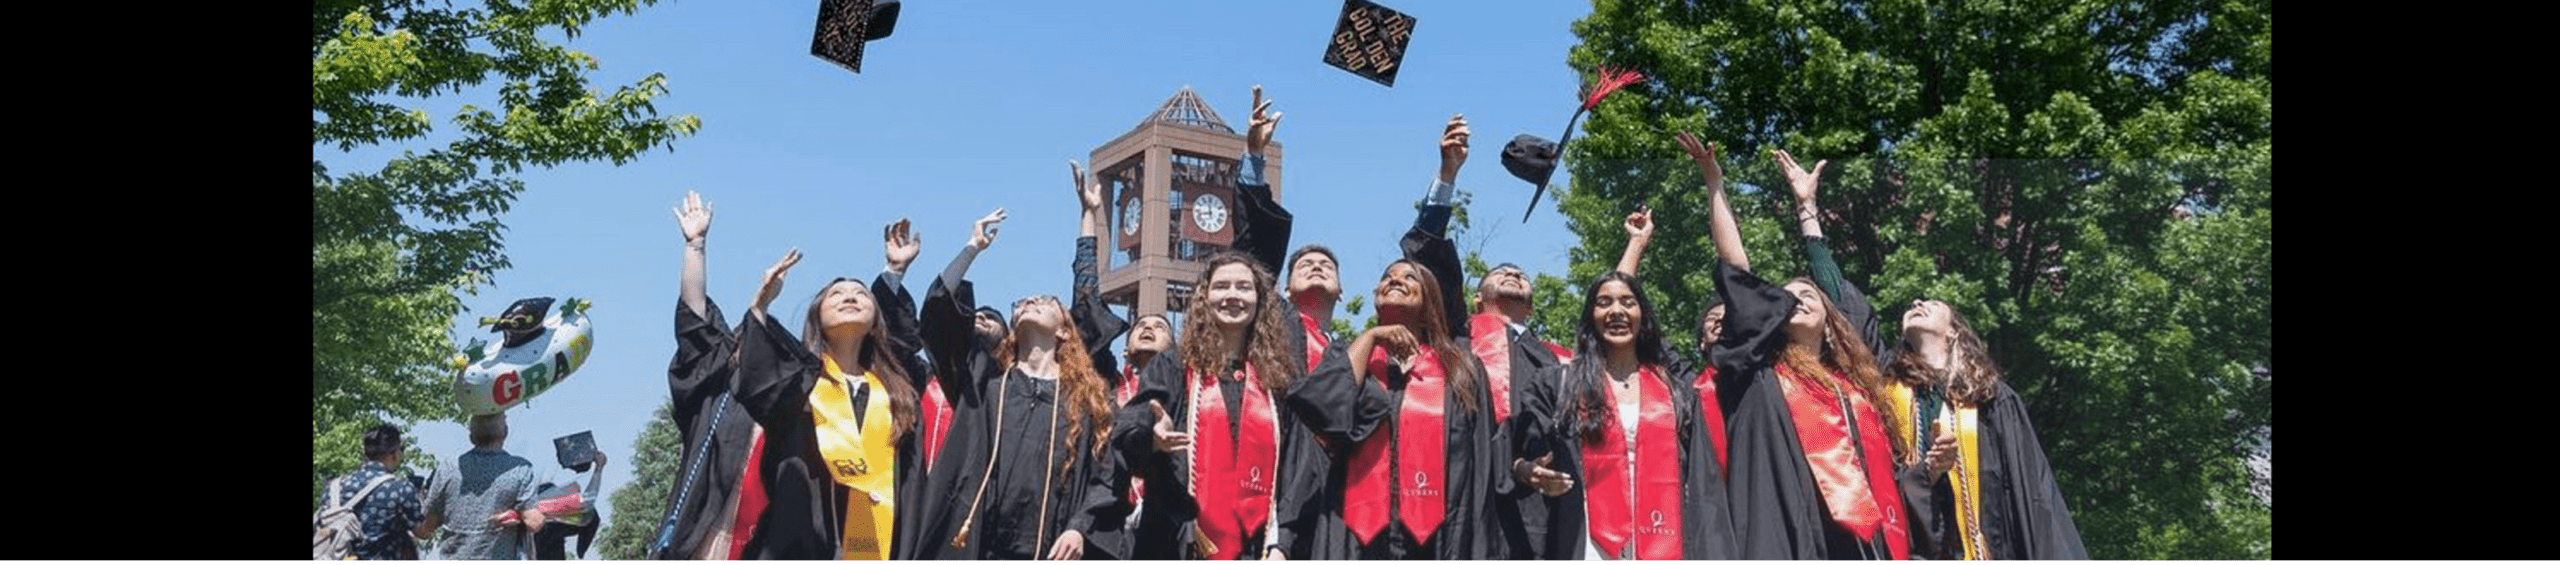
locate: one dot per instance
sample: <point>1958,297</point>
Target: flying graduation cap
<point>845,25</point>
<point>1534,159</point>
<point>1369,41</point>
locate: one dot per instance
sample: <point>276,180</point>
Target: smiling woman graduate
<point>839,411</point>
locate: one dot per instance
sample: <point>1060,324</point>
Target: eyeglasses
<point>1046,298</point>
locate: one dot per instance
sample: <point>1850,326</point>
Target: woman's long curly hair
<point>1205,350</point>
<point>1841,352</point>
<point>1971,377</point>
<point>1591,405</point>
<point>877,353</point>
<point>1431,326</point>
<point>1080,390</point>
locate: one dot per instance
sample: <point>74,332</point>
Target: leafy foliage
<point>390,247</point>
<point>638,507</point>
<point>2088,183</point>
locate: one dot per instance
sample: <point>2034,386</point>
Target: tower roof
<point>1185,109</point>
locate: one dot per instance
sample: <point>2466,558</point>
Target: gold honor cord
<point>1968,481</point>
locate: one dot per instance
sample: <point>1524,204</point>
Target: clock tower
<point>1170,182</point>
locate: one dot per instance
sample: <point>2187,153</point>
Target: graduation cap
<point>576,451</point>
<point>845,25</point>
<point>1369,41</point>
<point>522,321</point>
<point>1534,159</point>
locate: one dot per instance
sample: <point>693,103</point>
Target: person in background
<point>483,508</point>
<point>392,511</point>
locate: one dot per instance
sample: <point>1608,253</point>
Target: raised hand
<point>1167,440</point>
<point>1705,155</point>
<point>1088,192</point>
<point>983,233</point>
<point>1640,224</point>
<point>1453,148</point>
<point>901,244</point>
<point>694,217</point>
<point>1257,133</point>
<point>1804,183</point>
<point>772,286</point>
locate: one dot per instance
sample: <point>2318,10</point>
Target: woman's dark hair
<point>1206,351</point>
<point>1971,377</point>
<point>1591,405</point>
<point>1429,325</point>
<point>878,354</point>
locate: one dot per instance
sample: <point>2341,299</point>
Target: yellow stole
<point>1966,478</point>
<point>859,456</point>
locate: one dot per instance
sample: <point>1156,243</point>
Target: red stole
<point>1490,337</point>
<point>1562,355</point>
<point>1713,410</point>
<point>937,420</point>
<point>750,499</point>
<point>1822,429</point>
<point>1878,445</point>
<point>1234,476</point>
<point>1316,339</point>
<point>1644,509</point>
<point>1421,454</point>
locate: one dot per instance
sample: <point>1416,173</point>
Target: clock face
<point>1209,212</point>
<point>1130,211</point>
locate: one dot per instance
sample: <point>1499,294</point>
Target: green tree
<point>2090,183</point>
<point>638,507</point>
<point>391,247</point>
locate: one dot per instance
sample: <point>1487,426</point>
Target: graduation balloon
<point>537,354</point>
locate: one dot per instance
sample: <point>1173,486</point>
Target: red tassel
<point>1610,80</point>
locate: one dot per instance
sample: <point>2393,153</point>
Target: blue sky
<point>974,105</point>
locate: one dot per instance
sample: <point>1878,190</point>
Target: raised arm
<point>949,314</point>
<point>1092,317</point>
<point>1262,225</point>
<point>1807,185</point>
<point>694,219</point>
<point>1728,237</point>
<point>898,314</point>
<point>1639,234</point>
<point>1428,241</point>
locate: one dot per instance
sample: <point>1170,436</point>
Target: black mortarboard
<point>845,25</point>
<point>1534,159</point>
<point>1369,41</point>
<point>522,321</point>
<point>576,450</point>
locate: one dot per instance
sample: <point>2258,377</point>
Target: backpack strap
<point>367,490</point>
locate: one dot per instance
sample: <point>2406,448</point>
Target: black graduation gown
<point>1164,528</point>
<point>1467,529</point>
<point>715,433</point>
<point>804,512</point>
<point>1778,509</point>
<point>966,370</point>
<point>1706,521</point>
<point>1027,485</point>
<point>2023,516</point>
<point>1109,537</point>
